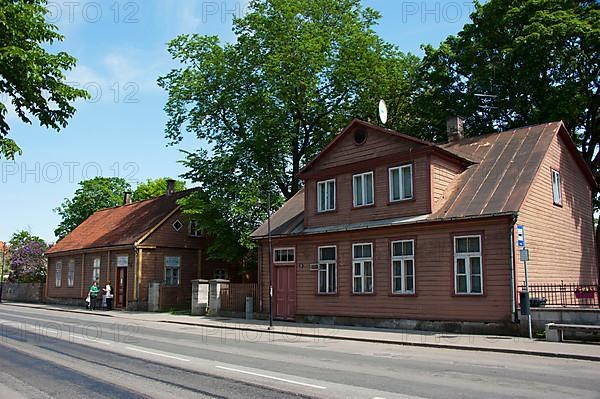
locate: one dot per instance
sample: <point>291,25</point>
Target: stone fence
<point>23,292</point>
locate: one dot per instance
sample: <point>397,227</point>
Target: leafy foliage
<point>26,253</point>
<point>30,76</point>
<point>91,196</point>
<point>154,188</point>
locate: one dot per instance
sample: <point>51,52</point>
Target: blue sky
<point>121,50</point>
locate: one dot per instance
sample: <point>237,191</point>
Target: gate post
<point>199,297</point>
<point>214,295</point>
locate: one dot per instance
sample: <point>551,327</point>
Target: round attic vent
<point>360,136</point>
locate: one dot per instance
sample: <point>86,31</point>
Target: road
<point>67,355</point>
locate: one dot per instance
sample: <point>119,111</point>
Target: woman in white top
<point>109,295</point>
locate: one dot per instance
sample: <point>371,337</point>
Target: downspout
<point>136,283</point>
<point>515,316</point>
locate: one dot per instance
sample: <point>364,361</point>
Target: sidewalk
<point>485,343</point>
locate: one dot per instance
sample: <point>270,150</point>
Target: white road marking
<point>158,354</point>
<point>271,377</point>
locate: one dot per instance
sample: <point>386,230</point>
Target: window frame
<point>467,258</point>
<point>169,280</point>
<point>403,276</point>
<point>363,271</point>
<point>97,261</point>
<point>334,189</point>
<point>122,257</point>
<point>58,274</point>
<point>329,264</point>
<point>193,230</point>
<point>400,183</point>
<point>364,193</point>
<point>275,250</point>
<point>71,273</point>
<point>556,187</point>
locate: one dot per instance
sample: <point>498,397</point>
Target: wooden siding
<point>167,236</point>
<point>434,274</point>
<point>443,175</point>
<point>382,208</point>
<point>560,239</point>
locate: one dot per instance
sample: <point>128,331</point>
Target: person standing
<point>108,293</point>
<point>94,290</point>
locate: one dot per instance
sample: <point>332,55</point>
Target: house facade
<point>394,231</point>
<point>132,246</point>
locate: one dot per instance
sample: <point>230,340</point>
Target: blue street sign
<point>520,236</point>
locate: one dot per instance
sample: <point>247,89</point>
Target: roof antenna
<point>383,113</point>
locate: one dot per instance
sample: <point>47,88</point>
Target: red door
<point>121,300</point>
<point>285,292</point>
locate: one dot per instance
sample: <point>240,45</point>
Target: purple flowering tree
<point>26,258</point>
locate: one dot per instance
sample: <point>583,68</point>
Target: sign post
<point>524,257</point>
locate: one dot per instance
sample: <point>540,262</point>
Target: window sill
<point>560,205</point>
<point>465,295</point>
<point>326,294</point>
<point>363,293</point>
<point>354,207</point>
<point>401,201</point>
<point>400,294</point>
<point>326,211</point>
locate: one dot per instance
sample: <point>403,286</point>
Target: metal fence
<point>564,294</point>
<point>233,296</point>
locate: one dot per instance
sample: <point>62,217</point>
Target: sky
<point>121,49</point>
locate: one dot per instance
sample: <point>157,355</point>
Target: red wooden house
<point>391,230</point>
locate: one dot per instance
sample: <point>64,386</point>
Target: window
<point>467,265</point>
<point>220,274</point>
<point>363,189</point>
<point>327,270</point>
<point>283,255</point>
<point>556,189</point>
<point>122,261</point>
<point>195,229</point>
<point>403,267</point>
<point>326,195</point>
<point>71,273</point>
<point>172,266</point>
<point>58,274</point>
<point>401,187</point>
<point>362,268</point>
<point>96,270</point>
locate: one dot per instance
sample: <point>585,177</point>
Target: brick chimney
<point>170,187</point>
<point>454,128</point>
<point>127,198</point>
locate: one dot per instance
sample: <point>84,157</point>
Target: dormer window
<point>326,195</point>
<point>401,183</point>
<point>363,189</point>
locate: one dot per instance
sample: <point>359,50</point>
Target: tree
<point>31,77</point>
<point>266,104</point>
<point>154,188</point>
<point>27,262</point>
<point>91,196</point>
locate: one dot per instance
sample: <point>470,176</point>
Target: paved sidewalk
<point>487,343</point>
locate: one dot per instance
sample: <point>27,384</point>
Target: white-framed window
<point>363,189</point>
<point>284,255</point>
<point>362,268</point>
<point>58,274</point>
<point>195,229</point>
<point>71,273</point>
<point>468,273</point>
<point>326,195</point>
<point>403,267</point>
<point>327,270</point>
<point>172,267</point>
<point>96,270</point>
<point>556,188</point>
<point>401,183</point>
<point>122,261</point>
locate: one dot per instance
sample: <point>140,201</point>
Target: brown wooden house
<point>133,245</point>
<point>391,230</point>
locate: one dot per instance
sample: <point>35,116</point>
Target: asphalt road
<point>55,354</point>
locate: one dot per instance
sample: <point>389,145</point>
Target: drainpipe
<point>515,316</point>
<point>135,276</point>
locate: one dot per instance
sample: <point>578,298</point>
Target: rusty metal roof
<point>503,167</point>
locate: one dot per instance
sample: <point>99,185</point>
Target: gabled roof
<point>502,168</point>
<point>119,226</point>
<point>357,123</point>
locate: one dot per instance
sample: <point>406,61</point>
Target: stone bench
<point>554,331</point>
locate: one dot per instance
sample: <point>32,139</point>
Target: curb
<point>344,338</point>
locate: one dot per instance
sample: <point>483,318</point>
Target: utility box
<point>524,301</point>
<point>249,307</point>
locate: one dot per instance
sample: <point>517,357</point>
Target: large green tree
<point>154,188</point>
<point>91,196</point>
<point>298,71</point>
<point>32,78</point>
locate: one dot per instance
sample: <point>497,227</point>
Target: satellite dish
<point>382,112</point>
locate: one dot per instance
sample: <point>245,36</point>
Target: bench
<point>554,331</point>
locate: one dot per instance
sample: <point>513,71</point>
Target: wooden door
<point>285,292</point>
<point>121,291</point>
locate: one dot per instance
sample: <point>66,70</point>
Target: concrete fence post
<point>154,297</point>
<point>199,297</point>
<point>214,295</point>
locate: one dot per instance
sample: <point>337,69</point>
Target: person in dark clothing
<point>109,295</point>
